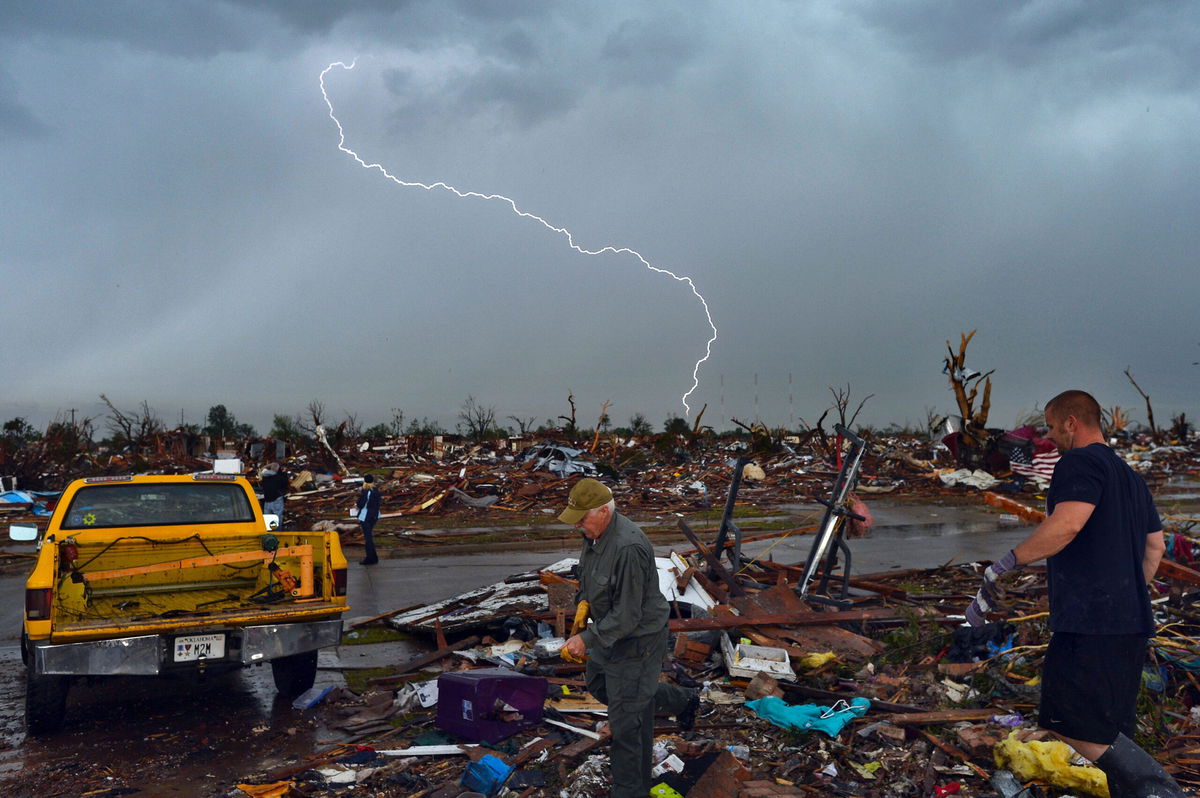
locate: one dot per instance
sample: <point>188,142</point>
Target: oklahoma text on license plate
<point>194,647</point>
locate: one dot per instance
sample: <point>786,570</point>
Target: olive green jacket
<point>618,578</point>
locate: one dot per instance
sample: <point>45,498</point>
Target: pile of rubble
<point>884,693</point>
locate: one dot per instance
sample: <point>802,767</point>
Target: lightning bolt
<point>565,233</point>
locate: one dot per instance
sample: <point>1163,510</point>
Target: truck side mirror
<point>23,532</point>
<point>272,521</point>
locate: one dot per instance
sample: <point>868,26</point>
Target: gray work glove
<point>990,597</point>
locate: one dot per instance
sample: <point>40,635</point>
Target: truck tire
<point>45,702</point>
<point>295,673</point>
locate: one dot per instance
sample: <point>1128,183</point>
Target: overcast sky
<point>848,185</point>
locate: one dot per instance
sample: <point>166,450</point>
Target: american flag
<point>1039,467</point>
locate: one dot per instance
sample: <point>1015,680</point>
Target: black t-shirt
<point>274,485</point>
<point>1096,583</point>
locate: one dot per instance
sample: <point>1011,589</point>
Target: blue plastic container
<point>487,775</point>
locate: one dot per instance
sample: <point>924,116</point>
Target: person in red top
<point>1102,541</point>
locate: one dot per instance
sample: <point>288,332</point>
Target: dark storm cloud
<point>849,183</point>
<point>188,28</point>
<point>649,52</point>
<point>1030,34</point>
<point>16,120</point>
<point>320,16</point>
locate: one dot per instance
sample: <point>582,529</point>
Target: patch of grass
<point>373,634</point>
<point>357,680</point>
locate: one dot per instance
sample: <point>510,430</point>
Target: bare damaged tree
<point>696,427</point>
<point>316,417</point>
<point>524,425</point>
<point>351,428</point>
<point>761,439</point>
<point>601,423</point>
<point>1180,428</point>
<point>570,428</point>
<point>961,379</point>
<point>135,429</point>
<point>841,401</point>
<point>479,421</point>
<point>1116,419</point>
<point>1149,409</point>
<point>816,433</point>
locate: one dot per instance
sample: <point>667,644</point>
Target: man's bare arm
<point>1156,546</point>
<point>1052,535</point>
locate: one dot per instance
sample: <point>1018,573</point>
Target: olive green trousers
<point>625,677</point>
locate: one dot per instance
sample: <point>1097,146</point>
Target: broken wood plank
<point>829,695</point>
<point>425,659</point>
<point>787,619</point>
<point>941,716</point>
<point>735,589</point>
<point>381,616</point>
<point>1169,569</point>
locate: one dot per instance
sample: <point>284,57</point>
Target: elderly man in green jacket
<point>627,639</point>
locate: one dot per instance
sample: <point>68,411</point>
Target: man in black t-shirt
<point>274,485</point>
<point>1102,541</point>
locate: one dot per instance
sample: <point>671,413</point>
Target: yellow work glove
<point>577,626</point>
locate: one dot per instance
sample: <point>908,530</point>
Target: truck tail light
<point>37,604</point>
<point>339,581</point>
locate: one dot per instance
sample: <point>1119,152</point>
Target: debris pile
<point>883,694</point>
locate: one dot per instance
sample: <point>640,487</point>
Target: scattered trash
<point>1049,761</point>
<point>311,697</point>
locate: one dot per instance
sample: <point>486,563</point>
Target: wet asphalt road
<point>179,737</point>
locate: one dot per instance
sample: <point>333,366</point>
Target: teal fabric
<point>803,717</point>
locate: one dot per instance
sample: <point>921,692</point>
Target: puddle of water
<point>166,736</point>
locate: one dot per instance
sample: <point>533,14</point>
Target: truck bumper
<point>149,655</point>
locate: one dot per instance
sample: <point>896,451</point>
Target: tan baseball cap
<point>588,494</point>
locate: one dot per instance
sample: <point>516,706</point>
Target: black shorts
<point>1090,685</point>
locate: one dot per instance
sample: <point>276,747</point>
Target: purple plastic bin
<point>471,704</point>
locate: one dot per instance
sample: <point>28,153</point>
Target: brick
<point>980,739</point>
<point>723,778</point>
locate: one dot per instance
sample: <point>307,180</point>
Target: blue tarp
<point>25,497</point>
<point>803,717</point>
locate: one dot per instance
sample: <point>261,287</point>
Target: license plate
<point>196,647</point>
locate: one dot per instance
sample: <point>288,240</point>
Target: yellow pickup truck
<point>146,575</point>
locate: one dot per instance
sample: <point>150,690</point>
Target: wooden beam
<point>944,716</point>
<point>783,619</point>
<point>425,659</point>
<point>735,589</point>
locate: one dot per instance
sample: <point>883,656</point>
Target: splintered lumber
<point>829,695</point>
<point>1169,569</point>
<point>860,582</point>
<point>783,619</point>
<point>943,716</point>
<point>381,616</point>
<point>735,589</point>
<point>956,753</point>
<point>580,747</point>
<point>422,661</point>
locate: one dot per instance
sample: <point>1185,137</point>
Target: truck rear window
<point>164,504</point>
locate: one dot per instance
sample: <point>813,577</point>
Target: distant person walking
<point>369,499</point>
<point>274,484</point>
<point>1102,541</point>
